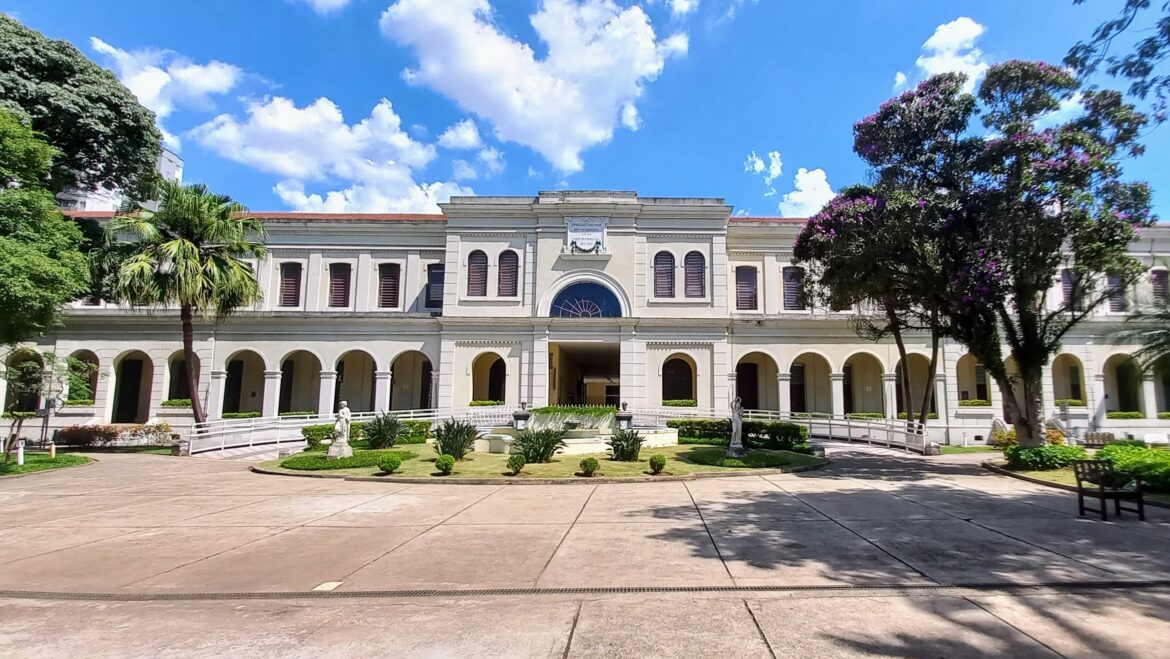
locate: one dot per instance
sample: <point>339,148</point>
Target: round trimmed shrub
<point>589,466</point>
<point>390,464</point>
<point>657,463</point>
<point>516,463</point>
<point>445,464</point>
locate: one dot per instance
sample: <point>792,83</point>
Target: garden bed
<point>682,462</point>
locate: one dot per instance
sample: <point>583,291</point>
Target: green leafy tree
<point>104,137</point>
<point>1144,66</point>
<point>193,253</point>
<point>33,378</point>
<point>1006,204</point>
<point>41,265</point>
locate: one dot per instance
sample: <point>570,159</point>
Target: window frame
<point>755,288</point>
<point>666,271</point>
<point>301,288</point>
<point>500,274</point>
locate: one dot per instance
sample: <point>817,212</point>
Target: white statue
<point>735,445</point>
<point>340,447</point>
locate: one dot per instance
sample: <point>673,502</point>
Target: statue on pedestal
<point>340,446</point>
<point>735,445</point>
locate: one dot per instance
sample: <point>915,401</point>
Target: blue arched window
<point>586,300</point>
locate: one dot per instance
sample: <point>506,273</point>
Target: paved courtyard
<point>159,544</point>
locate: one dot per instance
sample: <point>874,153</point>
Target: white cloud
<point>463,135</point>
<point>630,118</point>
<point>534,173</point>
<point>463,171</point>
<point>163,80</point>
<point>492,160</point>
<point>374,157</point>
<point>324,7</point>
<point>811,193</point>
<point>1069,109</point>
<point>733,7</point>
<point>600,56</point>
<point>683,7</point>
<point>769,171</point>
<point>899,80</point>
<point>952,48</point>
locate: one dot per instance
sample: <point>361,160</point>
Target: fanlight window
<point>586,300</point>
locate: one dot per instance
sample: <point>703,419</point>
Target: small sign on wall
<point>585,235</point>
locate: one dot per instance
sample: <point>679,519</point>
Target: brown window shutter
<point>436,273</point>
<point>664,274</point>
<point>509,273</point>
<point>1117,301</point>
<point>339,284</point>
<point>794,288</point>
<point>290,284</point>
<point>389,284</point>
<point>745,288</point>
<point>1067,288</point>
<point>695,275</point>
<point>1160,279</point>
<point>477,266</point>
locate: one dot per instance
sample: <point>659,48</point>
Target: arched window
<point>509,271</point>
<point>586,300</point>
<point>664,274</point>
<point>695,281</point>
<point>678,380</point>
<point>477,266</point>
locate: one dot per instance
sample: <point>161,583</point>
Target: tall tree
<point>191,253</point>
<point>1145,66</point>
<point>104,137</point>
<point>41,267</point>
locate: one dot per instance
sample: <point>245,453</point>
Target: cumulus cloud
<point>1069,109</point>
<point>599,58</point>
<point>769,171</point>
<point>683,7</point>
<point>463,135</point>
<point>811,193</point>
<point>374,159</point>
<point>899,80</point>
<point>324,7</point>
<point>463,171</point>
<point>164,80</point>
<point>492,160</point>
<point>952,48</point>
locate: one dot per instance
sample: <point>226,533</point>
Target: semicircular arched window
<point>695,270</point>
<point>477,267</point>
<point>586,300</point>
<point>664,274</point>
<point>508,275</point>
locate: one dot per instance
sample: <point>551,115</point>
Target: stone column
<point>837,387</point>
<point>1099,402</point>
<point>784,392</point>
<point>1149,396</point>
<point>271,402</point>
<point>890,395</point>
<point>940,395</point>
<point>383,380</point>
<point>325,403</point>
<point>215,394</point>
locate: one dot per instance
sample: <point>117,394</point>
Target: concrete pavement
<point>145,528</point>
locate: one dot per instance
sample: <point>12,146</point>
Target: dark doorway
<point>678,380</point>
<point>287,372</point>
<point>234,386</point>
<point>747,385</point>
<point>129,391</point>
<point>497,380</point>
<point>427,385</point>
<point>799,396</point>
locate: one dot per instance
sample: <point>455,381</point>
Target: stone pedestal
<point>339,449</point>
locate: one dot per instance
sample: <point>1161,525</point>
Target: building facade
<point>564,298</point>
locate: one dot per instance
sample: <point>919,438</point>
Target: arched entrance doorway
<point>755,382</point>
<point>179,386</point>
<point>919,371</point>
<point>300,383</point>
<point>678,379</point>
<point>810,386</point>
<point>489,378</point>
<point>1123,384</point>
<point>355,381</point>
<point>1068,380</point>
<point>81,387</point>
<point>133,375</point>
<point>411,381</point>
<point>243,390</point>
<point>23,374</point>
<point>863,384</point>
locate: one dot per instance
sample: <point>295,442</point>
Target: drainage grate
<point>616,590</point>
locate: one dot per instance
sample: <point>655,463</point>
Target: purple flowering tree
<point>1003,205</point>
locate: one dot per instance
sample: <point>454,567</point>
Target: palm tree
<point>192,253</point>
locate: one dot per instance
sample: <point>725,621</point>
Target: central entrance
<point>584,373</point>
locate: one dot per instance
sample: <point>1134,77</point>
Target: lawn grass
<point>494,465</point>
<point>950,450</point>
<point>40,462</point>
<point>1065,476</point>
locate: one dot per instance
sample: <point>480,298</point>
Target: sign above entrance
<point>585,235</point>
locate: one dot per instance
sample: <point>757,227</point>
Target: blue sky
<point>373,105</point>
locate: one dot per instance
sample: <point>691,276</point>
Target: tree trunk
<point>1029,421</point>
<point>931,372</point>
<point>14,431</point>
<point>192,365</point>
<point>904,372</point>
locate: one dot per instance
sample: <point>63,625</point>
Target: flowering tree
<point>1006,203</point>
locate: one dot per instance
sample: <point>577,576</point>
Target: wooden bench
<point>1097,480</point>
<point>1096,439</point>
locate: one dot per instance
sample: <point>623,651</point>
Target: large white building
<point>567,297</point>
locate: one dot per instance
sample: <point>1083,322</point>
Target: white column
<point>325,402</point>
<point>940,395</point>
<point>270,404</point>
<point>1099,399</point>
<point>215,394</point>
<point>382,383</point>
<point>538,384</point>
<point>837,386</point>
<point>784,391</point>
<point>890,395</point>
<point>1048,391</point>
<point>633,368</point>
<point>732,386</point>
<point>1149,396</point>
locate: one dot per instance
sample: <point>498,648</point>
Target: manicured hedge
<point>177,402</point>
<point>318,461</point>
<point>1150,464</point>
<point>932,415</point>
<point>866,415</point>
<point>1043,457</point>
<point>241,415</point>
<point>717,457</point>
<point>1164,415</point>
<point>974,402</point>
<point>1124,415</point>
<point>79,402</point>
<point>757,434</point>
<point>300,413</point>
<point>416,433</point>
<point>486,403</point>
<point>682,402</point>
<point>577,410</point>
<point>1071,402</point>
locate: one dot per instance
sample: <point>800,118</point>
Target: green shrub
<point>415,432</point>
<point>757,434</point>
<point>589,466</point>
<point>486,403</point>
<point>866,415</point>
<point>382,431</point>
<point>682,402</point>
<point>1149,464</point>
<point>455,438</point>
<point>1124,415</point>
<point>516,463</point>
<point>299,413</point>
<point>539,445</point>
<point>717,457</point>
<point>445,464</point>
<point>1164,415</point>
<point>974,402</point>
<point>79,402</point>
<point>1128,442</point>
<point>586,416</point>
<point>240,415</point>
<point>932,415</point>
<point>1002,439</point>
<point>1071,402</point>
<point>390,464</point>
<point>657,463</point>
<point>177,402</point>
<point>359,459</point>
<point>1042,457</point>
<point>626,445</point>
<point>316,434</point>
<point>83,436</point>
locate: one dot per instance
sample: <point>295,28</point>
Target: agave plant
<point>626,445</point>
<point>539,445</point>
<point>455,438</point>
<point>382,431</point>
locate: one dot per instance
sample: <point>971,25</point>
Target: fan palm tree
<point>1150,329</point>
<point>191,253</point>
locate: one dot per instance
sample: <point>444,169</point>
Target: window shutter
<point>1067,289</point>
<point>664,274</point>
<point>794,288</point>
<point>1161,283</point>
<point>290,284</point>
<point>695,267</point>
<point>477,266</point>
<point>389,283</point>
<point>1117,301</point>
<point>745,288</point>
<point>509,271</point>
<point>339,284</point>
<point>435,277</point>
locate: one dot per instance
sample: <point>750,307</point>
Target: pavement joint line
<point>562,542</point>
<point>710,536</point>
<point>572,630</point>
<point>982,588</point>
<point>759,629</point>
<point>281,530</point>
<point>1009,624</point>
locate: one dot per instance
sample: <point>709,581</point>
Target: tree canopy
<point>1145,66</point>
<point>103,136</point>
<point>41,266</point>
